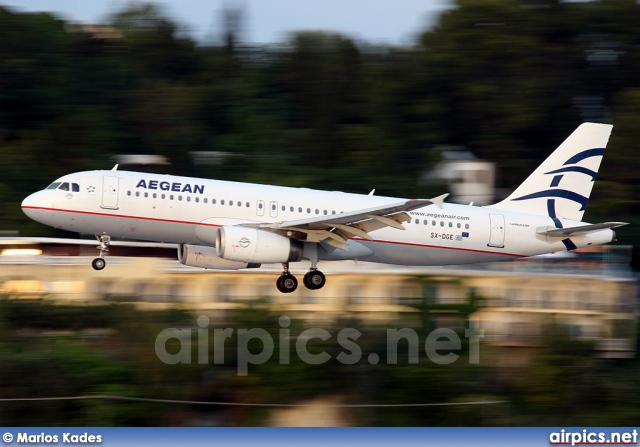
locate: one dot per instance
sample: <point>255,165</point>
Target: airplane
<point>231,225</point>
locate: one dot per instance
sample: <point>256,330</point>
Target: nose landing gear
<point>99,263</point>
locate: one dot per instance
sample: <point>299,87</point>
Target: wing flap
<point>352,231</point>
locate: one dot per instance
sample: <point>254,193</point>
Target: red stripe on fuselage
<point>411,244</point>
<point>155,219</point>
<point>123,216</point>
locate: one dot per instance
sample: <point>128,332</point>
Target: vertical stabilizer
<point>561,186</point>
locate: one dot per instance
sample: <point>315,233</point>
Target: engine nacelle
<point>243,244</point>
<point>205,257</point>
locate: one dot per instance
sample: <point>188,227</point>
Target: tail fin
<point>562,184</point>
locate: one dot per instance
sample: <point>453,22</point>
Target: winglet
<point>439,201</point>
<point>115,168</point>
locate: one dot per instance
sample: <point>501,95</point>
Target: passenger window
<point>75,187</point>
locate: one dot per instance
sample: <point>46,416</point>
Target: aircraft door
<point>496,238</point>
<point>273,209</point>
<point>109,192</point>
<point>260,208</point>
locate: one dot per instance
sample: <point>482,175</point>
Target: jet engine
<point>205,257</point>
<point>243,244</point>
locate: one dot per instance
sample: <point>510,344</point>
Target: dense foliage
<point>108,349</point>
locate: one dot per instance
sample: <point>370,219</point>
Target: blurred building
<point>591,295</point>
<point>469,178</point>
<point>141,159</point>
<point>97,31</point>
<point>210,158</point>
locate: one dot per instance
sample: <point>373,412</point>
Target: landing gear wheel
<point>287,283</point>
<point>314,279</point>
<point>98,263</point>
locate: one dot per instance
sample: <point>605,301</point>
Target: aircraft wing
<point>336,229</point>
<point>577,231</point>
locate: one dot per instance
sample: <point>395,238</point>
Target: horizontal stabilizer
<point>577,231</point>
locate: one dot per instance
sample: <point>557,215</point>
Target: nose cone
<point>31,206</point>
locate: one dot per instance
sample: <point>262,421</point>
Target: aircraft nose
<point>30,206</point>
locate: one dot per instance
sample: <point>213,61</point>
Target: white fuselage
<point>173,209</point>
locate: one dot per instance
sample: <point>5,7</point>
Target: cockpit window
<point>65,186</point>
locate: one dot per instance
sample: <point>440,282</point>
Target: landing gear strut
<point>99,263</point>
<point>286,283</point>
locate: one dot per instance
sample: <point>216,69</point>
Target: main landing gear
<point>314,279</point>
<point>99,263</point>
